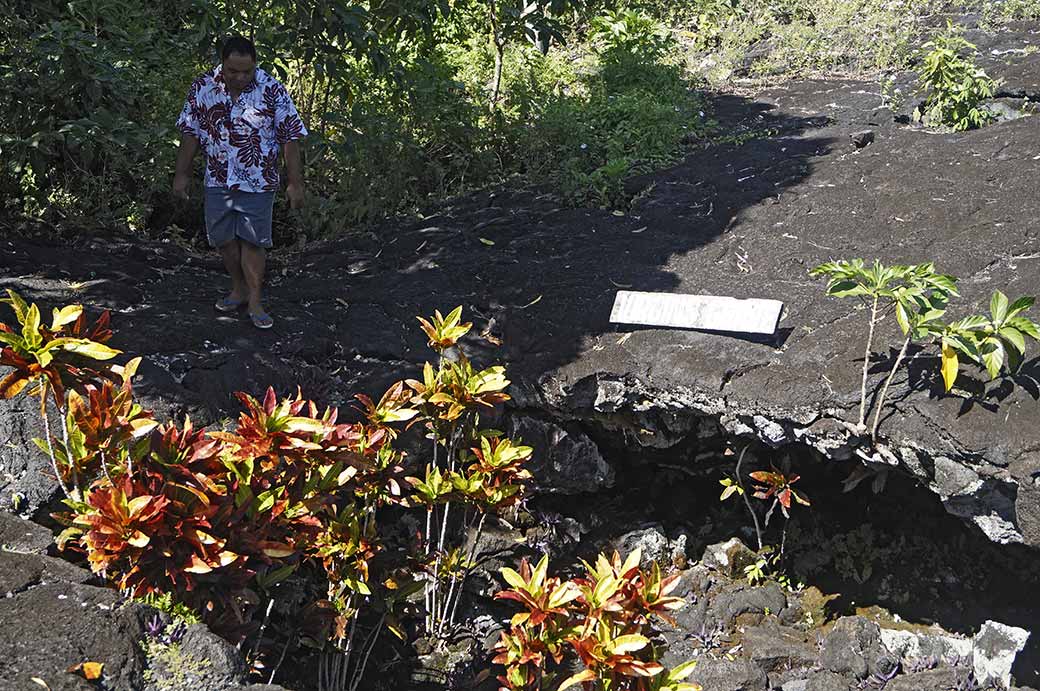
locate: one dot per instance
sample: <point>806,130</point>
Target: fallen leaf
<point>487,242</point>
<point>41,682</point>
<point>639,230</point>
<point>91,671</point>
<point>532,302</point>
<point>618,213</point>
<point>620,285</point>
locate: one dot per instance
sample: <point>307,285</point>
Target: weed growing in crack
<point>775,485</point>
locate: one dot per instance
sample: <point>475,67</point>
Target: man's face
<point>238,71</point>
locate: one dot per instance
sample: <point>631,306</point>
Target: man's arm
<point>294,170</point>
<point>185,154</point>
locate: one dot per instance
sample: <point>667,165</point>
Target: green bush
<point>956,88</point>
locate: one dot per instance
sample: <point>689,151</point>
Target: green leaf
<point>1014,338</point>
<point>998,307</point>
<point>844,289</point>
<point>13,340</point>
<point>513,578</point>
<point>18,304</point>
<point>680,672</point>
<point>1020,305</point>
<point>993,356</point>
<point>903,317</point>
<point>1027,326</point>
<point>31,328</point>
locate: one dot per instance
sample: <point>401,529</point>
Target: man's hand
<point>294,190</point>
<point>180,185</point>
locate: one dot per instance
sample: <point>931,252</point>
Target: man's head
<point>238,62</point>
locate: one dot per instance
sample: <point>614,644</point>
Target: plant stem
<point>281,658</point>
<point>50,446</point>
<point>471,563</point>
<point>884,391</point>
<point>866,364</point>
<point>359,671</point>
<point>747,502</point>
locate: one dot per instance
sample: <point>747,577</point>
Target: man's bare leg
<point>232,255</point>
<point>254,259</point>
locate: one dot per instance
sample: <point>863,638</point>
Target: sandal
<point>226,304</point>
<point>261,320</point>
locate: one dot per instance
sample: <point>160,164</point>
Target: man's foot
<point>229,304</point>
<point>261,320</point>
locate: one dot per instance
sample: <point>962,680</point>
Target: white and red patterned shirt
<point>241,140</point>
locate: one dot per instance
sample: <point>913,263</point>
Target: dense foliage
<point>408,101</point>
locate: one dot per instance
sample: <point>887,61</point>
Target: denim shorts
<point>234,214</point>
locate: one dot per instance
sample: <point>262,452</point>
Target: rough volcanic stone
<point>655,546</point>
<point>829,681</point>
<point>772,647</point>
<point>763,599</point>
<point>994,649</point>
<point>565,461</point>
<point>48,625</point>
<point>929,680</point>
<point>26,480</point>
<point>728,558</point>
<point>20,535</point>
<point>851,646</point>
<point>203,660</point>
<point>915,645</point>
<point>728,675</point>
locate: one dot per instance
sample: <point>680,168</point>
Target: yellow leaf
<point>41,682</point>
<point>949,366</point>
<point>279,551</point>
<point>66,315</point>
<point>487,242</point>
<point>94,351</point>
<point>88,670</point>
<point>227,557</point>
<point>586,675</point>
<point>92,670</point>
<point>198,566</point>
<point>139,539</point>
<point>628,644</point>
<point>142,426</point>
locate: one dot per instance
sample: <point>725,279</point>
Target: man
<point>241,117</point>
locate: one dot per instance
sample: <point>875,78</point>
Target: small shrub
<point>607,618</point>
<point>956,88</point>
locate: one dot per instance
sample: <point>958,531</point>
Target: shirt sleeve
<point>188,122</point>
<point>287,123</point>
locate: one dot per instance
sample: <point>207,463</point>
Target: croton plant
<point>215,518</point>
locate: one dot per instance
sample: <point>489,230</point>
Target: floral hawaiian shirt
<point>241,140</point>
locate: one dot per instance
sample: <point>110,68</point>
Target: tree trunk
<point>496,84</point>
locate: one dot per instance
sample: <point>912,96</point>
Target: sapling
<point>916,293</point>
<point>919,305</point>
<point>876,287</point>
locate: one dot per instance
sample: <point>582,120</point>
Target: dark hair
<point>239,45</point>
